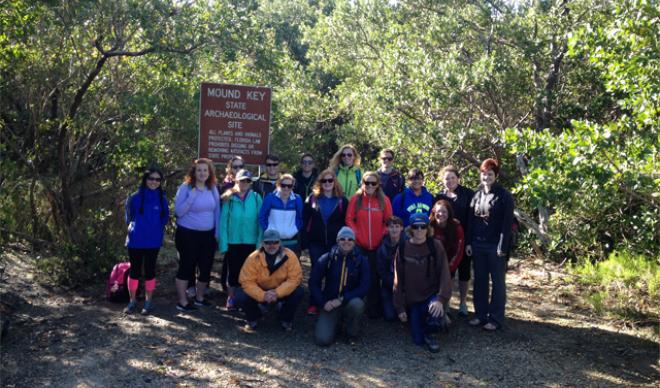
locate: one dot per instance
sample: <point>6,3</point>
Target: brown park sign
<point>234,120</point>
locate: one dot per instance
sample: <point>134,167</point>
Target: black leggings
<point>235,257</point>
<point>140,256</point>
<point>196,249</point>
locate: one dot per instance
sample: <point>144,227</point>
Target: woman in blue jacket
<point>282,210</point>
<point>239,232</point>
<point>147,213</point>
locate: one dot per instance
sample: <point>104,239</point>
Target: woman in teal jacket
<point>240,233</point>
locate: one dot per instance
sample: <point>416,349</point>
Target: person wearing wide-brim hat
<point>271,275</point>
<point>422,283</point>
<point>338,284</point>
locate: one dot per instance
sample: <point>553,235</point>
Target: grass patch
<point>625,285</point>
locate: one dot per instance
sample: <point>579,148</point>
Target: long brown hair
<point>379,190</point>
<point>190,176</point>
<point>337,191</point>
<point>450,228</point>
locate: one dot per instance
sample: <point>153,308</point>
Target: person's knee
<point>323,337</point>
<point>356,306</point>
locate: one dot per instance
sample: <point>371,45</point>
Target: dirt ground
<point>66,338</point>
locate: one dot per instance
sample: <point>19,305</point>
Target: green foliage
<point>624,284</point>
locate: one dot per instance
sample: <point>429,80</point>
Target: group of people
<point>379,243</point>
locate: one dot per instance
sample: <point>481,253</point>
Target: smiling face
<point>394,230</point>
<point>201,173</point>
<point>327,183</point>
<point>271,247</point>
<point>272,168</point>
<point>347,157</point>
<point>244,185</point>
<point>307,164</point>
<point>441,214</point>
<point>153,180</point>
<point>416,183</point>
<point>370,185</point>
<point>386,160</point>
<point>451,180</point>
<point>345,244</point>
<point>488,177</point>
<point>286,185</point>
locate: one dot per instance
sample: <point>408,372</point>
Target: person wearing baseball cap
<point>270,275</point>
<point>341,296</point>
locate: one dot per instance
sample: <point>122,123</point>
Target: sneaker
<point>312,310</point>
<point>231,304</point>
<point>432,344</point>
<point>202,303</point>
<point>191,292</point>
<point>287,326</point>
<point>250,326</point>
<point>490,326</point>
<point>148,308</point>
<point>187,307</point>
<point>475,322</point>
<point>130,309</point>
<point>462,310</point>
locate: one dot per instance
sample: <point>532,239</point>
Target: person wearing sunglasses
<point>422,284</point>
<point>147,214</point>
<point>270,276</point>
<point>305,176</point>
<point>487,241</point>
<point>414,199</point>
<point>324,214</point>
<point>282,211</point>
<point>346,165</point>
<point>338,284</point>
<point>390,178</point>
<point>266,182</point>
<point>239,233</point>
<point>459,197</point>
<point>233,166</point>
<point>197,209</point>
<point>368,210</point>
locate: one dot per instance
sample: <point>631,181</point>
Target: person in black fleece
<point>385,259</point>
<point>488,235</point>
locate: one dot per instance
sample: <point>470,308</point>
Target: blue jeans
<point>287,309</point>
<point>328,322</point>
<point>422,323</point>
<point>488,266</point>
<point>386,299</point>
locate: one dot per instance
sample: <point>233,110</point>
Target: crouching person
<point>421,282</point>
<point>346,274</point>
<point>271,275</point>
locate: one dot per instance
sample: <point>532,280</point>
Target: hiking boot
<point>250,326</point>
<point>431,344</point>
<point>148,308</point>
<point>463,310</point>
<point>312,310</point>
<point>202,303</point>
<point>187,307</point>
<point>130,309</point>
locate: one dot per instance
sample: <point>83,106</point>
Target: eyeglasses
<point>286,186</point>
<point>346,155</point>
<point>154,179</point>
<point>272,164</point>
<point>247,180</point>
<point>307,162</point>
<point>327,180</point>
<point>388,158</point>
<point>237,166</point>
<point>271,242</point>
<point>370,183</point>
<point>418,227</point>
<point>343,239</point>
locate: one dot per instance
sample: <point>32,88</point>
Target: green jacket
<point>239,221</point>
<point>349,179</point>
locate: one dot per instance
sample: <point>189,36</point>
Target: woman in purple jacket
<point>147,213</point>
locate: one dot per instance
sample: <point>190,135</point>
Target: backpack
<point>117,288</point>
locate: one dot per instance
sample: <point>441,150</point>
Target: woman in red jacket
<point>449,232</point>
<point>367,212</point>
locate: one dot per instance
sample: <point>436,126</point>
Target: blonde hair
<point>283,177</point>
<point>379,190</point>
<point>336,158</point>
<point>337,191</point>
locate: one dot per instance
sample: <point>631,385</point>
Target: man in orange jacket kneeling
<point>270,276</point>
